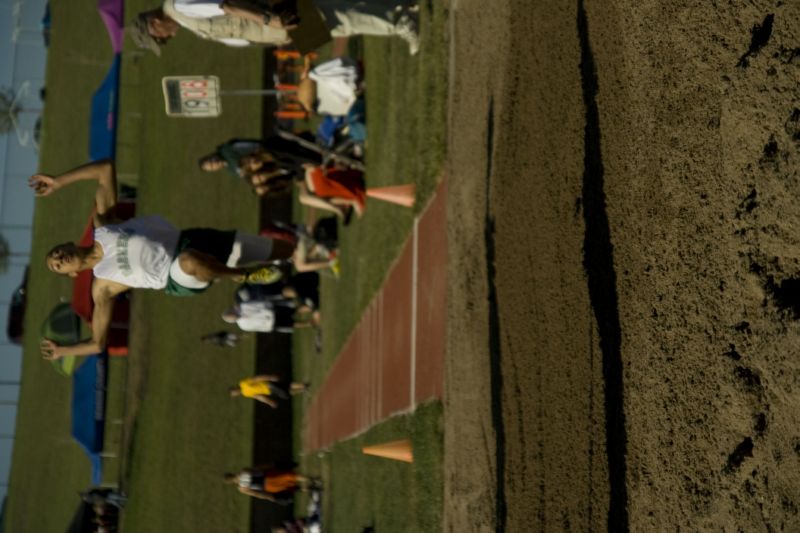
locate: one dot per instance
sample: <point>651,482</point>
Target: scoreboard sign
<point>192,96</point>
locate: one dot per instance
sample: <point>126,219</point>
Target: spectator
<point>259,312</point>
<point>268,483</point>
<point>237,25</point>
<point>330,88</point>
<point>341,191</point>
<point>97,496</point>
<point>243,156</point>
<point>265,389</point>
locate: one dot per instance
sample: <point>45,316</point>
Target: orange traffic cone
<point>398,450</point>
<point>397,194</point>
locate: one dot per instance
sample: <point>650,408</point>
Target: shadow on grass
<point>272,428</point>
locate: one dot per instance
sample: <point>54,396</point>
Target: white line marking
<point>414,277</point>
<point>376,345</point>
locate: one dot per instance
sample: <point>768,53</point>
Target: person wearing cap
<point>239,26</point>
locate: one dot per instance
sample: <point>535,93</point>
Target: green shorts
<point>216,243</point>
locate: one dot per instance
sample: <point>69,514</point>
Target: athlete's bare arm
<point>103,294</point>
<point>105,196</point>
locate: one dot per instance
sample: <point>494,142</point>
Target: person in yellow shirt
<point>265,389</point>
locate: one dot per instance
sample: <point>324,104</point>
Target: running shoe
<point>335,267</point>
<point>264,275</point>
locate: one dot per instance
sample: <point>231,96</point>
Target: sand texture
<point>624,273</point>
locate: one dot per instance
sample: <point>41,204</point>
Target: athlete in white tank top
<point>137,252</point>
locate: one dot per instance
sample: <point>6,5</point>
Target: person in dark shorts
<point>148,252</point>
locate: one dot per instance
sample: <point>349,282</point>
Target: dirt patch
<point>624,263</point>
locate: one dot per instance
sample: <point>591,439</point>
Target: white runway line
<point>414,277</point>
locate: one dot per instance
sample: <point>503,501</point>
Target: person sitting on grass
<point>234,23</point>
<point>264,388</point>
<point>264,309</point>
<point>269,180</point>
<point>238,156</point>
<point>104,496</point>
<point>331,88</point>
<point>340,191</point>
<point>269,483</point>
<point>211,20</point>
<point>313,251</point>
<point>269,166</point>
<point>147,252</point>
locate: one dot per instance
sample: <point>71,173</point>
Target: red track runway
<point>394,358</point>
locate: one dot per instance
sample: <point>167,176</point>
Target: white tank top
<point>137,252</point>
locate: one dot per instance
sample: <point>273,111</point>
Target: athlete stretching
<point>147,252</point>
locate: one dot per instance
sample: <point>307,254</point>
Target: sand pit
<point>624,333</point>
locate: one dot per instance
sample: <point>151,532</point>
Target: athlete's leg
<point>205,267</point>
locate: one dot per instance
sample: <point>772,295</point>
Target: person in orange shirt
<point>270,483</point>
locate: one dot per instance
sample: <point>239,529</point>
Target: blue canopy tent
<point>89,410</point>
<point>90,379</point>
<point>103,121</point>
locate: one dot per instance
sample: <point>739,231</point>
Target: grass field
<point>362,491</point>
<point>406,115</point>
<point>181,429</point>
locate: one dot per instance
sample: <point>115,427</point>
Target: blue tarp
<point>103,121</point>
<point>89,410</point>
<point>354,121</point>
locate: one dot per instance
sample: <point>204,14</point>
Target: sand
<point>624,274</point>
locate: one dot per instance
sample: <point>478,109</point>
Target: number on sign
<point>194,84</point>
